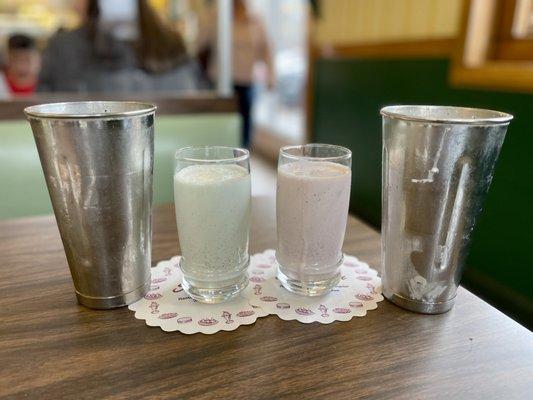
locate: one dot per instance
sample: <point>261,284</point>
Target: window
<point>515,31</point>
<point>497,45</point>
<point>522,19</point>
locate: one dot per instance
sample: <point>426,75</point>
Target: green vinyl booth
<point>348,94</point>
<point>178,124</point>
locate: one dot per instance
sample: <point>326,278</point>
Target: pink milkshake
<point>313,196</point>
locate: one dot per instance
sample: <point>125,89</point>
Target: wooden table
<point>50,347</point>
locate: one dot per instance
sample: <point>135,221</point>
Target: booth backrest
<point>22,186</point>
<point>348,94</point>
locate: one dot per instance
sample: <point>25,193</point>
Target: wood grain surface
<point>51,347</point>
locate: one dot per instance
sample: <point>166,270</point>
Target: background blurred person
<point>249,46</point>
<point>23,62</point>
<point>121,46</point>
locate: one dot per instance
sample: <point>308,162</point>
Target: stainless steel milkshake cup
<point>97,159</point>
<point>437,168</point>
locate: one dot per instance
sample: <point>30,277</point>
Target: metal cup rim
<point>131,109</point>
<point>436,114</point>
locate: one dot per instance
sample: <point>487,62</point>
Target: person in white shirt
<point>249,47</point>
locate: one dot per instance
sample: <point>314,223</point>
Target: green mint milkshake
<point>213,217</point>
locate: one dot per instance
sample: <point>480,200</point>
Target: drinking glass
<point>212,194</point>
<point>312,202</point>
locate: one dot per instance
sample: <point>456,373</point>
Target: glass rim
<point>346,156</point>
<point>178,157</point>
<point>437,114</point>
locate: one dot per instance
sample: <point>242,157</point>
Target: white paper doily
<point>168,306</point>
<point>358,291</point>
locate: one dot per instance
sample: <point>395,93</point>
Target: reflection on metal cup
<point>97,159</point>
<point>437,168</point>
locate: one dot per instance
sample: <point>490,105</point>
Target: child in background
<point>21,71</point>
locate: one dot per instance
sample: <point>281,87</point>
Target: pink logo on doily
<point>245,313</point>
<point>154,287</point>
<point>349,264</point>
<point>227,316</point>
<point>323,311</point>
<point>283,306</point>
<point>167,271</point>
<point>168,315</point>
<point>363,297</point>
<point>269,298</point>
<point>257,290</point>
<point>372,288</point>
<point>257,279</point>
<point>342,310</point>
<point>154,306</point>
<point>362,271</point>
<point>207,322</point>
<point>304,311</point>
<point>356,304</point>
<point>159,280</point>
<point>364,278</point>
<point>153,296</point>
<point>264,266</point>
<point>184,320</point>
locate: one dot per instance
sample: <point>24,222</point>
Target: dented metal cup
<point>437,168</point>
<point>97,159</point>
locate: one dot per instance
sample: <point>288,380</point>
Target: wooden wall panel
<point>345,22</point>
